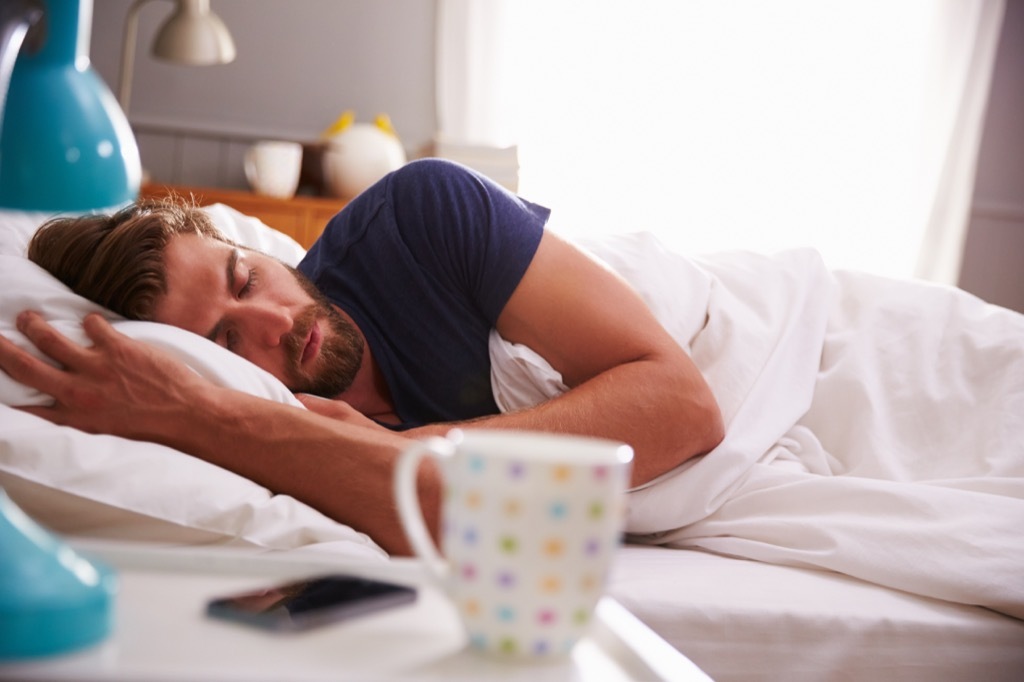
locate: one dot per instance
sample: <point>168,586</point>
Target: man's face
<point>264,311</point>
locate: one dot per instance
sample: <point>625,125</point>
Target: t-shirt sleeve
<point>465,230</point>
<point>461,232</point>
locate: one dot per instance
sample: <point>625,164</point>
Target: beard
<point>341,348</point>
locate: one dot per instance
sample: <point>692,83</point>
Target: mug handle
<point>409,510</point>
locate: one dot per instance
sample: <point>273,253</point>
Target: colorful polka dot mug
<point>530,524</point>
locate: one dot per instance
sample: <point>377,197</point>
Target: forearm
<point>629,379</point>
<point>667,416</point>
<point>344,471</point>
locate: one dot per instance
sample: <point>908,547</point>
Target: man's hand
<point>117,386</point>
<point>337,409</point>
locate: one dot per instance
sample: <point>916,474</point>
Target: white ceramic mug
<point>530,523</point>
<point>273,167</point>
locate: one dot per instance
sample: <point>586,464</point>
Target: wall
<point>300,64</point>
<point>993,265</point>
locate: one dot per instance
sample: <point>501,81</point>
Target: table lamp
<point>192,35</point>
<point>52,600</point>
<point>65,144</point>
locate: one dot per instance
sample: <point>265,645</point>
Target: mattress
<point>745,620</point>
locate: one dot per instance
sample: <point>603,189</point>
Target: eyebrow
<point>230,272</point>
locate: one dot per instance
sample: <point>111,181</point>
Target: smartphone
<point>304,604</point>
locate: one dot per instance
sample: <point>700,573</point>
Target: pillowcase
<point>108,487</point>
<point>17,227</point>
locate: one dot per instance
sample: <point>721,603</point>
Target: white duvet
<point>874,427</point>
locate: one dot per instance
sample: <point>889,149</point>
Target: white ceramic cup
<point>272,168</point>
<point>530,523</point>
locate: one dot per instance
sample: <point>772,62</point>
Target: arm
<point>123,387</point>
<point>629,380</point>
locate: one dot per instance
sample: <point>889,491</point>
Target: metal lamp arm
<point>131,31</point>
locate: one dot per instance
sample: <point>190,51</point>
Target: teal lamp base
<point>65,144</point>
<point>51,599</point>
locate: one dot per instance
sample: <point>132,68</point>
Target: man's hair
<point>117,260</point>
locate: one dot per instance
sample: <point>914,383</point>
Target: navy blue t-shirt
<point>424,261</point>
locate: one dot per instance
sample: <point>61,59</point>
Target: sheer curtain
<point>849,126</point>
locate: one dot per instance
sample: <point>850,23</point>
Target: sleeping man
<point>770,403</point>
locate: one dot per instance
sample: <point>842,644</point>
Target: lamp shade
<point>65,144</point>
<point>194,35</point>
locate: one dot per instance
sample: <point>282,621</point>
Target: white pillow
<point>103,486</point>
<point>253,233</point>
<point>17,227</point>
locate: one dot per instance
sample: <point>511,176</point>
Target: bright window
<point>747,124</point>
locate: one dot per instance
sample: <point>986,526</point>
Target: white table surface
<point>162,632</point>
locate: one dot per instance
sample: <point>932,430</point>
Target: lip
<point>313,342</point>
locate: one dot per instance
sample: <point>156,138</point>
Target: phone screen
<point>308,603</point>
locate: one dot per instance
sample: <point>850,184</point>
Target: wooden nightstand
<point>302,218</point>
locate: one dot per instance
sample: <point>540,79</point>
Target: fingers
<point>116,386</point>
<point>336,409</point>
<point>47,413</point>
<point>315,403</point>
<point>47,339</point>
<point>25,368</point>
<point>99,330</point>
<point>15,361</point>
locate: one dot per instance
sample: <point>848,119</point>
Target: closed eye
<point>249,283</point>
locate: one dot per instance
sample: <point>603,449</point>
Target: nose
<point>265,323</point>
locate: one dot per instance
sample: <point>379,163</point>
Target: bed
<point>742,605</point>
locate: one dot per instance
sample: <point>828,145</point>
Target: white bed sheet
<point>745,620</point>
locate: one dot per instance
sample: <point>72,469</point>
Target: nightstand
<point>302,217</point>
